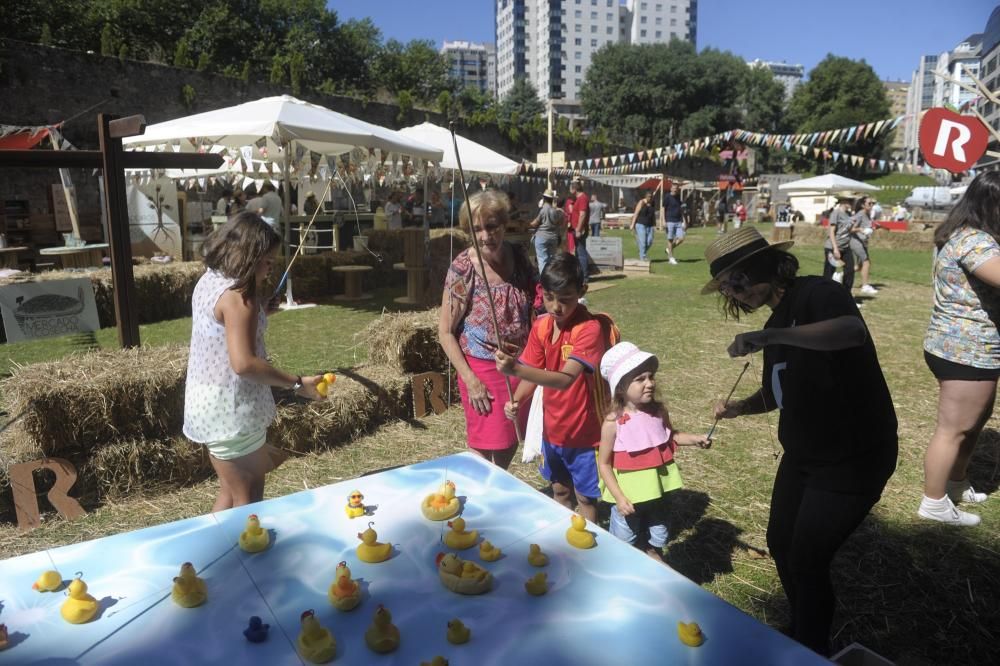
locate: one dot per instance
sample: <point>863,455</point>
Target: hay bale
<point>132,466</point>
<point>86,400</point>
<point>406,341</point>
<point>916,239</point>
<point>361,399</point>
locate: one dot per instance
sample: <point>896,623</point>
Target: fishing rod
<point>298,249</point>
<point>742,372</point>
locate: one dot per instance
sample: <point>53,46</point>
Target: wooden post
<point>22,482</point>
<point>122,276</point>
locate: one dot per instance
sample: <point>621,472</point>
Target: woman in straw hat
<point>548,228</point>
<point>837,424</point>
<point>465,327</point>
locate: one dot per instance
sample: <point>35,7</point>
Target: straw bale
<point>129,466</point>
<point>810,235</point>
<point>82,402</point>
<point>406,341</point>
<point>361,399</point>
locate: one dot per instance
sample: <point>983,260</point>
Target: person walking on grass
<point>962,347</point>
<point>636,455</point>
<point>674,209</point>
<point>837,247</point>
<point>227,397</point>
<point>643,223</point>
<point>597,208</point>
<point>864,227</point>
<point>837,423</point>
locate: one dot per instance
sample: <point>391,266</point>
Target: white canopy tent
<point>476,158</point>
<point>812,196</point>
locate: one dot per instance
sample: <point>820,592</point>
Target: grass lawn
<point>916,592</point>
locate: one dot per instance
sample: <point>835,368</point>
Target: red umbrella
<point>654,183</point>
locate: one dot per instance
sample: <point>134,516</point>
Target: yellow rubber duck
<point>316,644</point>
<point>441,505</point>
<point>690,634</point>
<point>463,577</point>
<point>355,504</point>
<point>577,534</point>
<point>344,593</point>
<point>536,557</point>
<point>537,585</point>
<point>49,581</point>
<point>80,607</point>
<point>254,538</point>
<point>488,552</point>
<point>436,661</point>
<point>458,633</point>
<point>383,635</point>
<point>323,386</point>
<point>189,590</point>
<point>458,538</point>
<point>370,550</point>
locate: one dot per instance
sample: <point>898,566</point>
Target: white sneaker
<point>868,289</point>
<point>838,277</point>
<point>672,261</point>
<point>942,510</point>
<point>962,491</point>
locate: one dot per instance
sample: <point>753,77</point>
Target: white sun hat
<point>622,359</point>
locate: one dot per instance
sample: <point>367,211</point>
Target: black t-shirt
<point>673,208</point>
<point>837,422</point>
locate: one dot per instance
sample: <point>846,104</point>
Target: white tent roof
<point>828,183</point>
<point>279,120</point>
<point>475,157</point>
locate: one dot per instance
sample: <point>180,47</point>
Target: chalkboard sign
<point>606,252</point>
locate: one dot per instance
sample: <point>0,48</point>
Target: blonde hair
<point>491,203</point>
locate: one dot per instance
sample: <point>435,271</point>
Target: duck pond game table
<point>608,605</point>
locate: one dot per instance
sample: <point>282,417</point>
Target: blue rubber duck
<point>257,631</point>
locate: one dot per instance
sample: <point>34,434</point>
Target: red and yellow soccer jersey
<point>569,416</point>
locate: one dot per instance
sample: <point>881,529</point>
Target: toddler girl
<point>636,454</point>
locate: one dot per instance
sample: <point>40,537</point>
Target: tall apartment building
<point>919,97</point>
<point>551,42</point>
<point>957,64</point>
<point>787,75</point>
<point>897,92</point>
<point>990,74</point>
<point>473,64</point>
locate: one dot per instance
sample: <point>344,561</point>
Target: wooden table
<point>416,277</point>
<point>85,256</point>
<point>352,283</point>
<point>8,256</point>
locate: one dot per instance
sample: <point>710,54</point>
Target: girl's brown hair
<point>979,208</point>
<point>618,398</point>
<point>236,248</point>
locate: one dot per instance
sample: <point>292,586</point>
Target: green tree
<point>415,66</point>
<point>245,72</point>
<point>297,70</point>
<point>45,38</point>
<point>763,101</point>
<point>107,41</point>
<point>354,50</point>
<point>445,103</point>
<point>204,61</point>
<point>521,104</point>
<point>123,52</point>
<point>404,100</point>
<point>182,54</point>
<point>277,70</point>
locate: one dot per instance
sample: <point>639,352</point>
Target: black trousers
<point>806,528</point>
<point>848,258</point>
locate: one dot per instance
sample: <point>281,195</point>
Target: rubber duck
<point>344,593</point>
<point>316,644</point>
<point>436,661</point>
<point>323,385</point>
<point>3,637</point>
<point>49,581</point>
<point>80,607</point>
<point>256,632</point>
<point>441,505</point>
<point>189,590</point>
<point>458,538</point>
<point>536,557</point>
<point>690,634</point>
<point>355,504</point>
<point>383,635</point>
<point>537,585</point>
<point>254,538</point>
<point>458,633</point>
<point>370,550</point>
<point>463,577</point>
<point>577,534</point>
<point>488,552</point>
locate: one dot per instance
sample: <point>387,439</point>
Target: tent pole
<point>286,167</point>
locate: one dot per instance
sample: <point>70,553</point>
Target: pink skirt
<point>494,431</point>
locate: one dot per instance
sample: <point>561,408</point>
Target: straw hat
<point>622,359</point>
<point>549,194</point>
<point>734,248</point>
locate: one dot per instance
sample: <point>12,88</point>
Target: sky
<point>890,35</point>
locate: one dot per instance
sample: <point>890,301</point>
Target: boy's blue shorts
<point>571,466</point>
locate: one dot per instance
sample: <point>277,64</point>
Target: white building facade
<point>787,75</point>
<point>957,65</point>
<point>473,64</point>
<point>552,42</point>
<point>919,97</point>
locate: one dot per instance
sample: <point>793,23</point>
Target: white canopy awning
<point>628,180</point>
<point>475,157</point>
<point>829,183</point>
<point>280,121</point>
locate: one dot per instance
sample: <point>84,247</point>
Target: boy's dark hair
<point>562,272</point>
<point>237,247</point>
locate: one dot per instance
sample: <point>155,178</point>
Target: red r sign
<point>950,141</point>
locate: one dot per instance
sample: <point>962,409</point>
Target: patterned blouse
<point>513,300</point>
<point>966,313</point>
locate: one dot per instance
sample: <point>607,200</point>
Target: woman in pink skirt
<point>466,327</point>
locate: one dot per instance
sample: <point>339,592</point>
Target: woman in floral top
<point>466,330</point>
<point>962,346</point>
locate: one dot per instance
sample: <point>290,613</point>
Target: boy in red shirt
<point>563,353</point>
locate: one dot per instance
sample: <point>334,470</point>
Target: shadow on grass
<point>984,467</point>
<point>705,552</point>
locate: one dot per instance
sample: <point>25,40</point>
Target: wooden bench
<point>352,283</point>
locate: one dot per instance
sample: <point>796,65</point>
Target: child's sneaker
<point>868,289</point>
<point>942,510</point>
<point>962,491</point>
<point>672,261</point>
